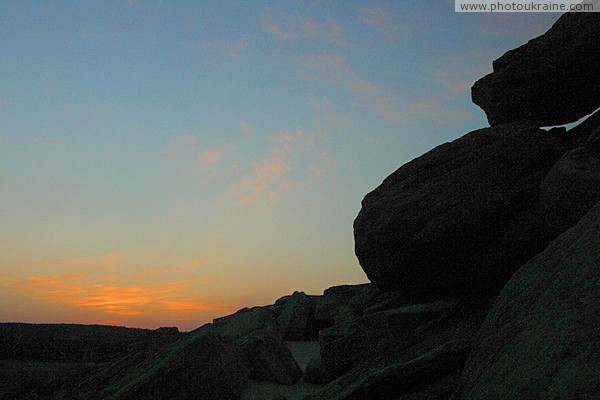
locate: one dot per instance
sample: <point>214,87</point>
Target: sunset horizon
<point>164,165</point>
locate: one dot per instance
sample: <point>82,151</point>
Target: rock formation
<point>552,80</point>
<point>439,239</point>
<point>572,186</point>
<point>540,339</point>
<point>461,219</point>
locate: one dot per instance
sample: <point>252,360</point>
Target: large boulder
<point>552,80</point>
<point>459,220</point>
<point>572,186</point>
<point>540,339</point>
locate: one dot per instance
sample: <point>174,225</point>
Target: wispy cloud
<point>200,157</point>
<point>334,68</point>
<point>289,26</point>
<point>246,128</point>
<point>520,27</point>
<point>219,50</point>
<point>389,24</point>
<point>211,158</point>
<point>271,176</point>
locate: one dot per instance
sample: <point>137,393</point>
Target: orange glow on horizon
<point>144,303</point>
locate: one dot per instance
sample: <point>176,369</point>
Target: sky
<point>164,163</point>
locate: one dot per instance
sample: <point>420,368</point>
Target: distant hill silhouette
<point>75,343</point>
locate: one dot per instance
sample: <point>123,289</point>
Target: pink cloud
<point>270,177</point>
<point>211,158</point>
<point>291,26</point>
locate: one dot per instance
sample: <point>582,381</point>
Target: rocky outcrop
<point>417,361</point>
<point>459,220</point>
<point>203,363</point>
<point>295,315</point>
<point>256,331</point>
<point>345,345</point>
<point>269,359</point>
<point>245,321</point>
<point>401,378</point>
<point>552,80</point>
<point>572,186</point>
<point>540,339</point>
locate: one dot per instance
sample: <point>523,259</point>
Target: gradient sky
<point>163,163</point>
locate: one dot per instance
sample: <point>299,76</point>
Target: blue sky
<point>162,163</point>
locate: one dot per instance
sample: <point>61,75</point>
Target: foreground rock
<point>295,315</point>
<point>572,186</point>
<point>348,344</point>
<point>270,359</point>
<point>205,364</point>
<point>256,331</point>
<point>459,220</point>
<point>540,339</point>
<point>417,361</point>
<point>552,80</point>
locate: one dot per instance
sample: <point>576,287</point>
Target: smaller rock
<point>347,344</point>
<point>295,315</point>
<point>245,321</point>
<point>345,291</point>
<point>270,359</point>
<point>572,187</point>
<point>402,378</point>
<point>167,330</point>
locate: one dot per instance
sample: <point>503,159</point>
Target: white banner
<point>500,6</point>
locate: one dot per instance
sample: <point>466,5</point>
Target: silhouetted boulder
<point>357,297</point>
<point>167,330</point>
<point>256,331</point>
<point>295,315</point>
<point>269,358</point>
<point>459,220</point>
<point>245,321</point>
<point>203,365</point>
<point>552,80</point>
<point>540,339</point>
<point>346,291</point>
<point>572,186</point>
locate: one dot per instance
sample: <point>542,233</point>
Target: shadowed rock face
<point>552,80</point>
<point>540,339</point>
<point>203,363</point>
<point>572,187</point>
<point>459,220</point>
<point>425,350</point>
